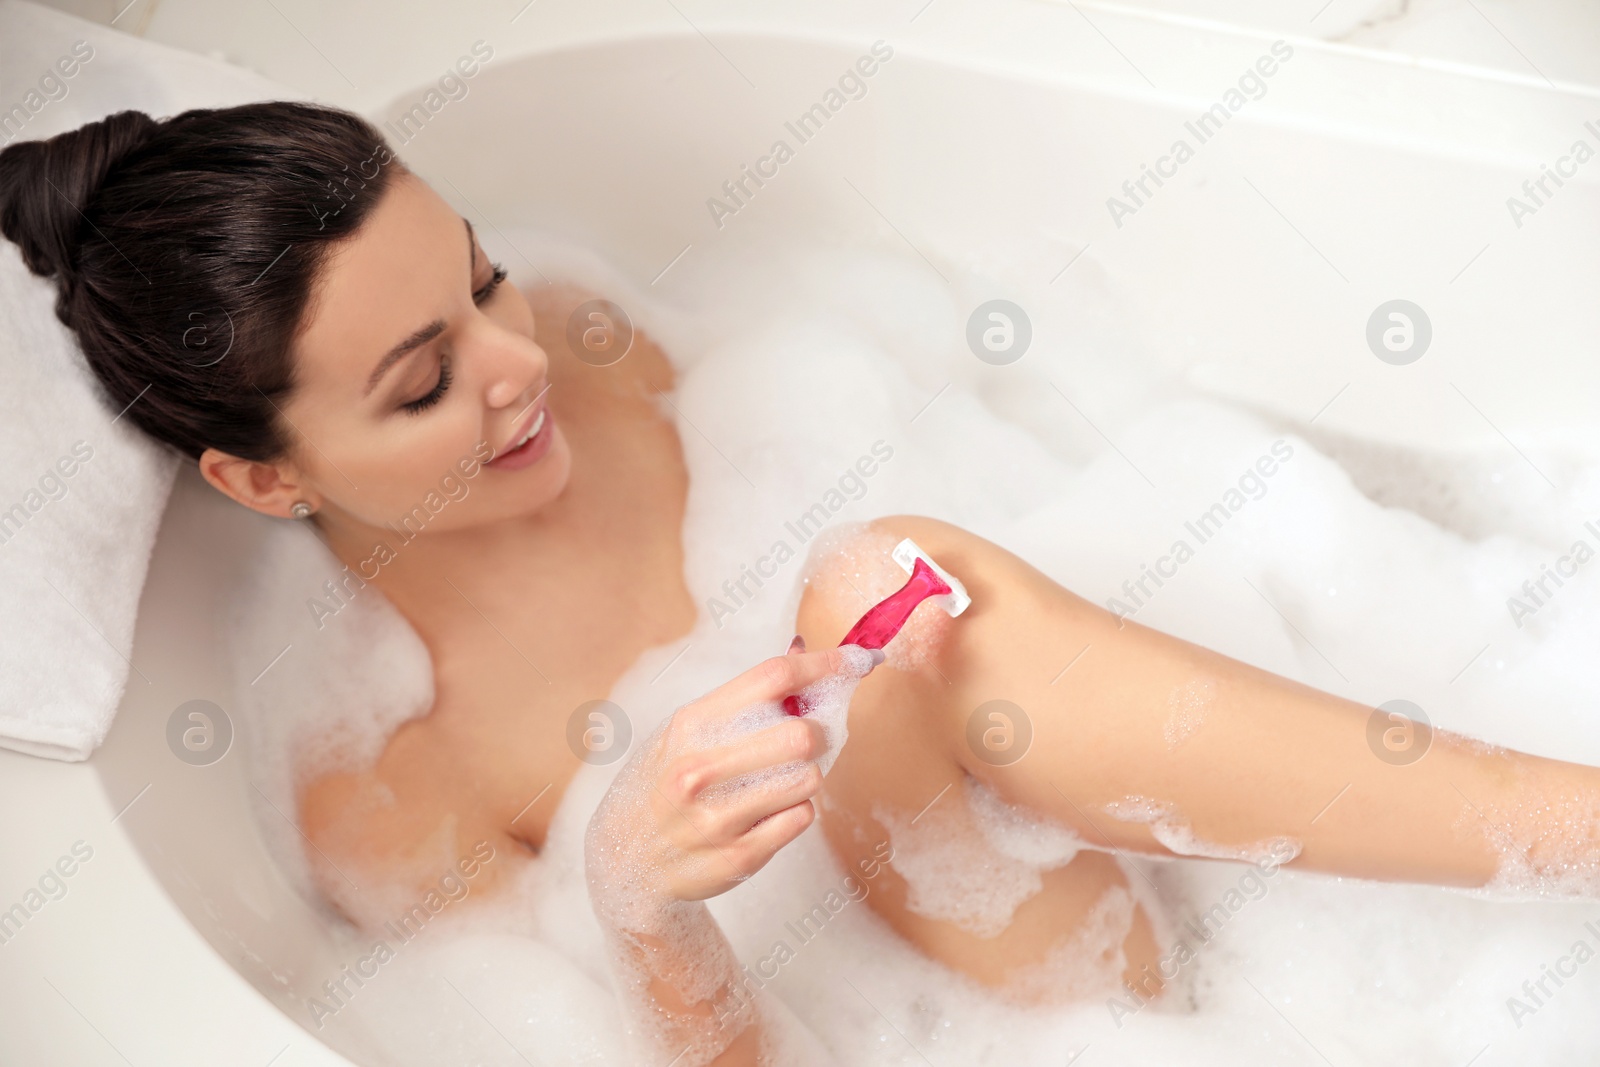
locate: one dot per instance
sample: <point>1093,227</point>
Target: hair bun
<point>47,186</point>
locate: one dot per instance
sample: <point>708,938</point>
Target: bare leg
<point>1154,745</point>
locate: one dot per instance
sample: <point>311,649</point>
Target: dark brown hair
<point>185,253</point>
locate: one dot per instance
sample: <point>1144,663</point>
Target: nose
<point>515,367</point>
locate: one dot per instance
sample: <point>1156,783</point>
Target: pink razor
<point>884,619</point>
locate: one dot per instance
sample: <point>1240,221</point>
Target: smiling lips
<point>528,447</point>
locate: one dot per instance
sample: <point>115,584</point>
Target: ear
<point>270,488</point>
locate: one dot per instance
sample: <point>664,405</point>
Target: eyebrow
<point>420,336</point>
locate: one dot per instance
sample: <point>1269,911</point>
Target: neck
<point>411,566</point>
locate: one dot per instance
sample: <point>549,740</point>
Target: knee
<point>1018,614</point>
<point>850,568</point>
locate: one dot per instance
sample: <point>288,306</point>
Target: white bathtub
<point>996,134</point>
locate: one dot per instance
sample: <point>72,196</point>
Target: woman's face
<point>418,379</point>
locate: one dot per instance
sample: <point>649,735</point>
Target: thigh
<point>1141,741</point>
<point>902,792</point>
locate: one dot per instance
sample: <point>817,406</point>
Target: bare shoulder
<point>383,836</point>
<point>558,319</point>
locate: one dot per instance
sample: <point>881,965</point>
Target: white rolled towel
<point>82,492</point>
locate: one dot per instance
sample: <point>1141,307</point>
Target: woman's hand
<point>720,787</point>
<point>708,799</point>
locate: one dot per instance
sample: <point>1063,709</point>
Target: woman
<point>372,347</point>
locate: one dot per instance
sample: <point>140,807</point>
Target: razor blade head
<point>906,554</point>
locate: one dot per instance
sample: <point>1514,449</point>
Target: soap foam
<point>828,701</point>
<point>1168,826</point>
<point>1088,964</point>
<point>632,896</point>
<point>973,863</point>
<point>341,690</point>
<point>854,563</point>
<point>952,873</point>
<point>1019,832</point>
<point>1547,838</point>
<point>637,903</point>
<point>1187,707</point>
<point>1380,572</point>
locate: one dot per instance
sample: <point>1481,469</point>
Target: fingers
<point>795,739</point>
<point>745,798</point>
<point>712,798</point>
<point>699,825</point>
<point>733,816</point>
<point>764,839</point>
<point>780,676</point>
<point>739,860</point>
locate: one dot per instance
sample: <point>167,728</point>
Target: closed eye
<point>432,396</point>
<point>484,293</point>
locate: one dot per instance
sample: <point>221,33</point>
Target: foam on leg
<point>1019,832</point>
<point>1187,707</point>
<point>1088,963</point>
<point>973,860</point>
<point>1168,826</point>
<point>1547,836</point>
<point>853,565</point>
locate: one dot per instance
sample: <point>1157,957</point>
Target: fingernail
<point>798,644</point>
<point>878,656</point>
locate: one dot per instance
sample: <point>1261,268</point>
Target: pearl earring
<point>301,510</point>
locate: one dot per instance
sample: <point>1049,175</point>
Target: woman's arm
<point>705,803</point>
<point>1150,743</point>
<point>679,983</point>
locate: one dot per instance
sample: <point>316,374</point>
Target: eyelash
<point>423,403</point>
<point>494,283</point>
